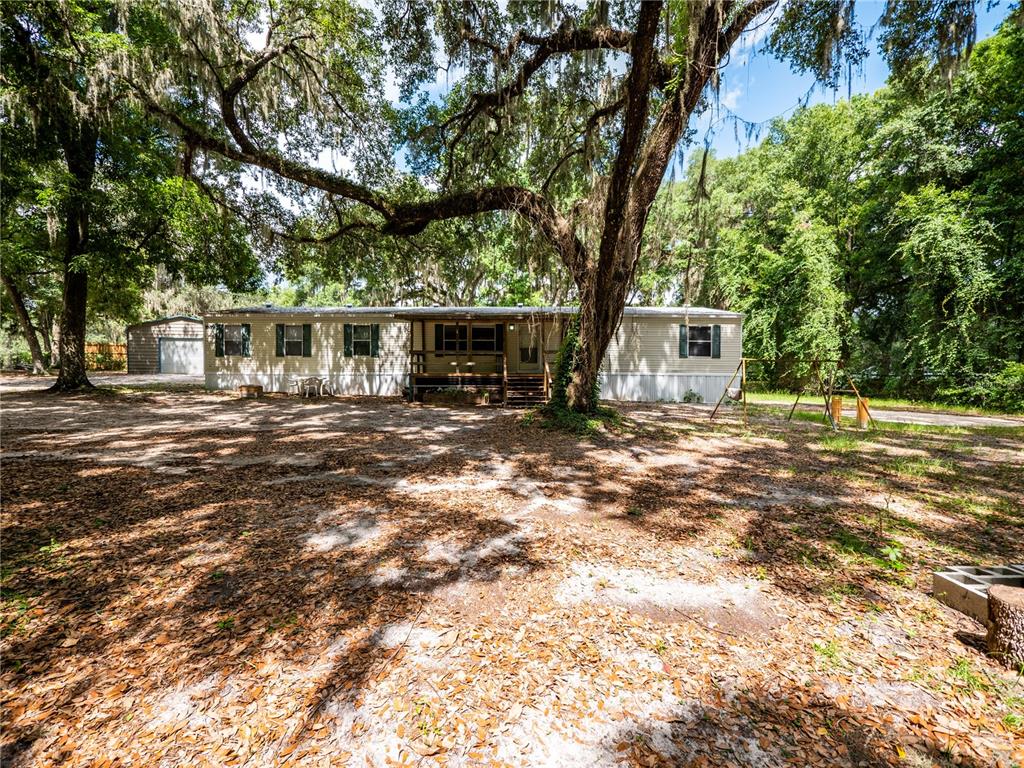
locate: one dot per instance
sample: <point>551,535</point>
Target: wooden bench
<point>250,390</point>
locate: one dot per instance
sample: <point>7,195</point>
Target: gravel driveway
<point>23,382</point>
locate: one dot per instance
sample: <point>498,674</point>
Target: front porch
<point>510,357</point>
<point>510,390</point>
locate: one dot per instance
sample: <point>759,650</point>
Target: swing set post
<point>741,366</point>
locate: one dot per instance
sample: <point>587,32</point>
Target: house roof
<point>167,319</point>
<point>409,313</point>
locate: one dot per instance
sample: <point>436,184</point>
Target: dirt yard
<point>193,579</point>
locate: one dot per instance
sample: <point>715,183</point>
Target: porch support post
<point>412,364</point>
<point>543,360</point>
<point>504,366</point>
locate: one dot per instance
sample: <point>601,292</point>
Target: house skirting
<point>666,387</point>
<point>384,384</point>
<point>633,387</point>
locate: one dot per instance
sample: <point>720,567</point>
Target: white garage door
<point>181,355</point>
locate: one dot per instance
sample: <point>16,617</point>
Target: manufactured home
<point>658,353</point>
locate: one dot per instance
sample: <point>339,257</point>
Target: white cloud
<point>731,98</point>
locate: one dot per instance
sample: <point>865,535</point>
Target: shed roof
<point>168,319</point>
<point>468,312</point>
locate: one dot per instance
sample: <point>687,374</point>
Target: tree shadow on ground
<point>316,532</point>
<point>782,726</point>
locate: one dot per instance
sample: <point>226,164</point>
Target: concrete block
<point>965,587</point>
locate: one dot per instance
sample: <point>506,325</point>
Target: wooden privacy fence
<point>106,357</point>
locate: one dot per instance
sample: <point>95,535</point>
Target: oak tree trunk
<point>80,153</point>
<point>73,375</point>
<point>25,320</point>
<point>45,323</point>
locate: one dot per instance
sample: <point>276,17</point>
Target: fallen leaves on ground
<point>197,580</point>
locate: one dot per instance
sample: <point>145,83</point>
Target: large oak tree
<point>91,200</point>
<point>566,115</point>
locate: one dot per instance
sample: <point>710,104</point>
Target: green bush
<point>13,350</point>
<point>564,363</point>
<point>1001,390</point>
<point>103,361</point>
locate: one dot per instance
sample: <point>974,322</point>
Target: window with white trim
<point>361,336</point>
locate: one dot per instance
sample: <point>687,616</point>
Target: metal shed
<point>166,345</point>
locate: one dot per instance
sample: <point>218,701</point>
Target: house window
<point>361,340</point>
<point>293,340</point>
<point>233,340</point>
<point>483,338</point>
<point>699,341</point>
<point>454,338</point>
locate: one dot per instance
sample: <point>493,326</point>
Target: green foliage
<point>564,361</point>
<point>884,230</point>
<point>556,413</point>
<point>563,419</point>
<point>1000,390</point>
<point>945,252</point>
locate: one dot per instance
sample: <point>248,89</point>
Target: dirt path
<point>190,578</point>
<point>26,383</point>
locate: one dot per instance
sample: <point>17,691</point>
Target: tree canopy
<point>884,230</point>
<point>561,121</point>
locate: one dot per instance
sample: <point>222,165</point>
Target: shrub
<point>1000,390</point>
<point>693,397</point>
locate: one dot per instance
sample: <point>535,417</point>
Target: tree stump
<point>1006,625</point>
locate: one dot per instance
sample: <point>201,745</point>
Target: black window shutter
<point>438,338</point>
<point>716,341</point>
<point>246,340</point>
<point>348,339</point>
<point>307,340</point>
<point>218,340</point>
<point>279,340</point>
<point>375,340</point>
<point>684,349</point>
<point>499,337</point>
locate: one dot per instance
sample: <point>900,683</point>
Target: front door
<point>528,354</point>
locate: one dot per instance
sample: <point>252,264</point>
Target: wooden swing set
<point>823,383</point>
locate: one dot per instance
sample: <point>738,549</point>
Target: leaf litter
<point>445,586</point>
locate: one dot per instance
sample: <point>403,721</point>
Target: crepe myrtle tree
<point>567,115</point>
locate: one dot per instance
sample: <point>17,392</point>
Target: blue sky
<point>757,88</point>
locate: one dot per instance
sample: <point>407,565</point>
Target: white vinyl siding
<point>384,375</point>
<point>650,346</point>
<point>642,361</point>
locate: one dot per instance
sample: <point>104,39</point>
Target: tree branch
<point>564,40</point>
<point>400,218</point>
<point>637,91</point>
